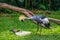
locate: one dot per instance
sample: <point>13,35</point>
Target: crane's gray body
<point>41,20</point>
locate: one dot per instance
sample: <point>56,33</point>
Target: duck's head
<point>14,30</point>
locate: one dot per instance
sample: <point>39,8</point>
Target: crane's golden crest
<point>22,17</point>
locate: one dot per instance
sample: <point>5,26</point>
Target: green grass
<point>9,21</point>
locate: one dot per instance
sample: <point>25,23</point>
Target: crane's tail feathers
<point>22,17</point>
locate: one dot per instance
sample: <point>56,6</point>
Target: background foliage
<point>35,4</point>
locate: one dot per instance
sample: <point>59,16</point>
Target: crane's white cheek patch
<point>23,33</point>
<point>45,20</point>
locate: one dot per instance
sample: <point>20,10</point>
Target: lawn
<point>9,21</point>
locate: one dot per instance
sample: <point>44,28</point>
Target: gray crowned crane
<point>41,20</point>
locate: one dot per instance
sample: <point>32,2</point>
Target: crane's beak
<point>43,25</point>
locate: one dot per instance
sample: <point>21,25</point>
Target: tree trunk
<point>54,20</point>
<point>26,12</point>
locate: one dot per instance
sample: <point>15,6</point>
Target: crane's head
<point>45,23</point>
<point>22,18</point>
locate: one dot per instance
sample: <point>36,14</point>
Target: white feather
<point>45,20</point>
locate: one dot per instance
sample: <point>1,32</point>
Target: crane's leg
<point>37,27</point>
<point>40,29</point>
